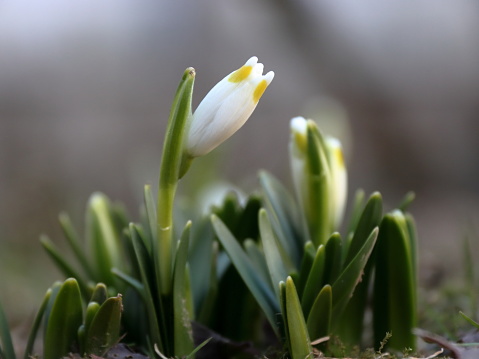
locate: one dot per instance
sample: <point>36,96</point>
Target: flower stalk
<point>169,175</point>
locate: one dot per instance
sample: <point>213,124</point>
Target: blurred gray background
<point>85,90</point>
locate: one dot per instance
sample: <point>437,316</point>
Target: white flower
<point>226,107</point>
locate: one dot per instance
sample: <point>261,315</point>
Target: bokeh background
<point>85,90</point>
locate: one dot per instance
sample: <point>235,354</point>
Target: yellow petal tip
<point>241,74</point>
<point>259,90</point>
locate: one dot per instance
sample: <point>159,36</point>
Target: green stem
<point>169,176</point>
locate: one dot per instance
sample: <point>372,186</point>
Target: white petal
<point>226,107</point>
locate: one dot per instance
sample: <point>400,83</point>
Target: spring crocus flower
<point>226,107</point>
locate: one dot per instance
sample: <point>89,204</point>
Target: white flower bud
<point>226,107</point>
<point>339,181</point>
<point>319,176</point>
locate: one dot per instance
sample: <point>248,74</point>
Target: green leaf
<point>343,287</point>
<point>73,240</point>
<point>63,264</point>
<point>469,320</point>
<point>36,325</point>
<point>257,256</point>
<point>192,354</point>
<point>100,294</point>
<point>284,217</point>
<point>306,264</point>
<point>229,212</point>
<point>406,202</point>
<point>279,264</point>
<point>103,239</point>
<point>318,178</point>
<point>147,279</point>
<point>315,280</point>
<point>333,258</point>
<point>351,329</point>
<point>356,211</point>
<point>413,243</point>
<point>91,311</point>
<point>283,319</point>
<point>183,335</point>
<point>6,349</point>
<point>319,318</point>
<point>369,219</point>
<point>209,300</point>
<point>395,284</point>
<point>55,288</point>
<point>248,220</point>
<point>201,261</point>
<point>300,344</point>
<point>151,216</point>
<point>104,330</point>
<point>64,320</point>
<point>260,290</point>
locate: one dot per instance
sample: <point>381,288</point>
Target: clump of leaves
<point>275,259</point>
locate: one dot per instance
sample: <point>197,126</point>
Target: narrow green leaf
<point>318,177</point>
<point>260,290</point>
<point>284,216</point>
<point>36,325</point>
<point>319,318</point>
<point>283,318</point>
<point>356,211</point>
<point>306,264</point>
<point>395,284</point>
<point>368,220</point>
<point>104,330</point>
<point>100,294</point>
<point>257,257</point>
<point>333,258</point>
<point>103,239</point>
<point>6,349</point>
<point>73,240</point>
<point>406,202</point>
<point>209,300</point>
<point>63,264</point>
<point>279,264</point>
<point>151,216</point>
<point>132,282</point>
<point>65,319</point>
<point>315,280</point>
<point>183,335</point>
<point>351,328</point>
<point>413,243</point>
<point>55,288</point>
<point>200,258</point>
<point>192,354</point>
<point>343,287</point>
<point>147,278</point>
<point>248,220</point>
<point>229,212</point>
<point>469,320</point>
<point>91,311</point>
<point>300,344</point>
